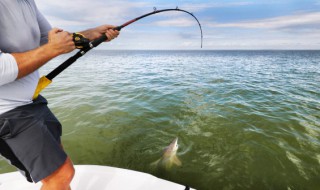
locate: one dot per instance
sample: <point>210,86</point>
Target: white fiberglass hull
<point>90,177</point>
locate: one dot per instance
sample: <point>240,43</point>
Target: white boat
<point>92,177</point>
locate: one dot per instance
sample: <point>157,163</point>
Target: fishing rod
<point>85,45</point>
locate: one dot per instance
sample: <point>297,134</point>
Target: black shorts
<point>30,140</point>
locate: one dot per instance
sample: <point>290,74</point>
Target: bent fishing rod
<point>85,45</point>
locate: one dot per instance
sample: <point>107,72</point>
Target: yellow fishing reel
<point>80,40</point>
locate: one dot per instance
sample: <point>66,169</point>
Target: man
<point>29,132</point>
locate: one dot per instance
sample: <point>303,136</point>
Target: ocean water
<point>244,119</point>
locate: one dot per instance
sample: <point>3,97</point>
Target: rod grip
<point>98,41</point>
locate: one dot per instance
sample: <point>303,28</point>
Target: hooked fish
<point>169,156</point>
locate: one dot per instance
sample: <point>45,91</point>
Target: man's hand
<point>60,41</point>
<point>95,33</point>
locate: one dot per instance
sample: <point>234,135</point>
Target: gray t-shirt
<point>22,28</point>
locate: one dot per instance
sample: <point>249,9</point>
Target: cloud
<point>208,5</point>
<point>297,21</point>
<point>74,14</point>
<point>177,22</point>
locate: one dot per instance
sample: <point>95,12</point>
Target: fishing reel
<point>80,41</point>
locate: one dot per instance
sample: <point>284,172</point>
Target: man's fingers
<point>60,41</point>
<point>111,34</point>
<point>67,35</point>
<point>55,30</point>
<point>115,32</point>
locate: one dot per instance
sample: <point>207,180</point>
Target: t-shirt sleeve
<point>44,26</point>
<point>8,68</point>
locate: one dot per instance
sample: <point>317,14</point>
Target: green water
<point>244,119</point>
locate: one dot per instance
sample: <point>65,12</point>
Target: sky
<point>226,24</point>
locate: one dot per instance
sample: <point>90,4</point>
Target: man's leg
<point>61,178</point>
<point>33,135</point>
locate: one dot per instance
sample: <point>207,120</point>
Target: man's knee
<point>68,171</point>
<point>62,175</point>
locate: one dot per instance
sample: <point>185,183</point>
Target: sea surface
<point>244,119</point>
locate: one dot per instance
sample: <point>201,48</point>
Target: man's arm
<point>59,43</point>
<point>8,68</point>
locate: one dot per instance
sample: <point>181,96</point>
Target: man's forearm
<point>59,43</point>
<point>32,60</point>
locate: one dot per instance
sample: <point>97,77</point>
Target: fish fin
<point>155,163</point>
<point>176,160</point>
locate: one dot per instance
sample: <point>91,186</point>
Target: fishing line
<point>85,45</point>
